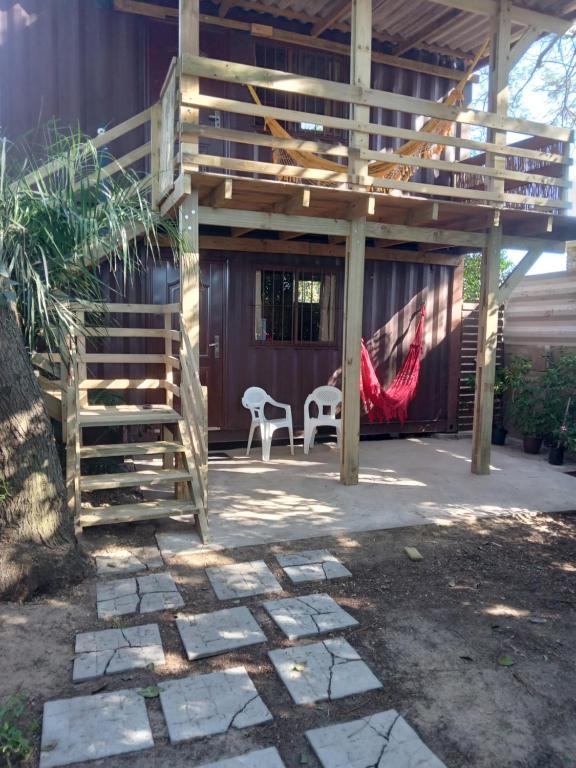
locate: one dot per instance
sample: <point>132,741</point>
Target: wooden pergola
<point>505,50</point>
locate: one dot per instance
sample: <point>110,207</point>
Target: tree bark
<point>38,549</point>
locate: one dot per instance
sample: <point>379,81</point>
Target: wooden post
<point>490,274</point>
<point>360,71</point>
<point>155,150</point>
<point>189,45</point>
<point>486,354</point>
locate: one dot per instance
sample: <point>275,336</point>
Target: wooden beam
<point>490,273</point>
<point>364,206</point>
<point>423,214</point>
<point>225,6</point>
<point>518,273</point>
<point>182,188</point>
<point>525,16</point>
<point>360,75</point>
<point>320,225</point>
<point>304,248</point>
<point>362,95</point>
<point>523,44</point>
<point>340,123</point>
<point>222,194</point>
<point>189,45</point>
<point>486,354</point>
<point>295,203</point>
<point>335,13</point>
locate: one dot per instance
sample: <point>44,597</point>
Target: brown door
<point>212,284</point>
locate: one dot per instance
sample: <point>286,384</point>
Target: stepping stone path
<point>208,634</point>
<point>262,758</point>
<point>91,727</point>
<point>310,615</point>
<point>242,580</point>
<point>384,740</point>
<point>323,671</point>
<point>312,565</point>
<point>108,724</point>
<point>143,594</point>
<point>203,705</point>
<point>116,650</point>
<point>123,562</point>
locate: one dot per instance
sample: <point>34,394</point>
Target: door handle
<point>216,345</point>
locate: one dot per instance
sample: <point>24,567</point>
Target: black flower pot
<point>532,444</point>
<point>556,455</point>
<point>499,435</point>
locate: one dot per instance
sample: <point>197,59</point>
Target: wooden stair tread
<point>130,449</point>
<point>127,513</point>
<point>128,479</point>
<point>117,415</point>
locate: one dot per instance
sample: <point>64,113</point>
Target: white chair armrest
<point>285,406</point>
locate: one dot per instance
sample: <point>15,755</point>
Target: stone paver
<point>312,565</point>
<point>208,634</point>
<point>204,705</point>
<point>91,727</point>
<point>116,650</point>
<point>181,544</point>
<point>309,615</point>
<point>383,740</point>
<point>262,758</point>
<point>143,594</point>
<point>123,562</point>
<point>242,580</point>
<point>329,670</point>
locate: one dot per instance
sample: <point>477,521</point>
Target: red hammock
<point>392,403</point>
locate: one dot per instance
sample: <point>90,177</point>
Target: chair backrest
<point>255,398</point>
<point>325,397</point>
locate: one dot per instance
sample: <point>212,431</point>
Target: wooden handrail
<point>289,82</point>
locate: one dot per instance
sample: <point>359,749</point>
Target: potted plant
<point>526,406</point>
<point>562,437</point>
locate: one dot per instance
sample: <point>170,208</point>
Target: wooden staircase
<point>175,429</point>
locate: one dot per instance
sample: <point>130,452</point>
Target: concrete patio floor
<point>416,481</point>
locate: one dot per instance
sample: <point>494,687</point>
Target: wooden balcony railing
<point>543,173</point>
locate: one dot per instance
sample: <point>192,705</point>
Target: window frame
<point>297,342</point>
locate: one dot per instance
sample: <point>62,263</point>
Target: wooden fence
<point>468,364</point>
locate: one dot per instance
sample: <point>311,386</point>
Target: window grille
<point>295,306</point>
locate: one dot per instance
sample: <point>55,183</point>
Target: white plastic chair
<point>256,399</point>
<point>327,399</point>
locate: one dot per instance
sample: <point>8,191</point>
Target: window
<point>295,306</point>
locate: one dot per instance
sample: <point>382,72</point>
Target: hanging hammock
<point>392,403</point>
<point>379,168</point>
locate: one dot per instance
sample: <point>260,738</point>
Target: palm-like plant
<point>56,227</point>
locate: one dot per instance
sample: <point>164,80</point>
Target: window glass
<point>295,307</point>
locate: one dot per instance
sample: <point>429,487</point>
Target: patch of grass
<point>4,492</point>
<point>14,741</point>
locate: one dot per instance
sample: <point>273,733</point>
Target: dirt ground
<point>432,631</point>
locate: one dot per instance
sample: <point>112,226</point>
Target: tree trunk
<point>38,549</point>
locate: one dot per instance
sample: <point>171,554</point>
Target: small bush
<point>14,741</point>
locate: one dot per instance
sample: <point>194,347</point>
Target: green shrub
<point>14,741</point>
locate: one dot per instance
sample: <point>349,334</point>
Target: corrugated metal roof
<point>402,20</point>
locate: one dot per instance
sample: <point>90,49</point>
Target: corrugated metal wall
<point>74,60</point>
<point>541,315</point>
<point>393,294</point>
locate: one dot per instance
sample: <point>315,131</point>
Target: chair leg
<point>266,434</point>
<point>306,437</point>
<point>291,433</point>
<point>250,436</point>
